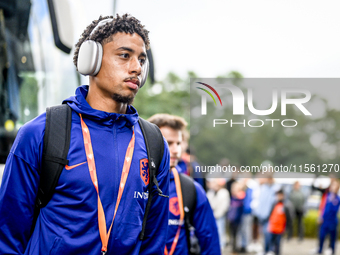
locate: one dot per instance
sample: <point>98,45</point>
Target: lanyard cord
<point>104,235</point>
<point>181,210</point>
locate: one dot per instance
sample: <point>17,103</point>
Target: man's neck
<point>104,103</point>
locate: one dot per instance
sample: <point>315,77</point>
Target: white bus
<point>37,39</point>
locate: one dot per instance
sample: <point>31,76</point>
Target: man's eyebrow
<point>126,48</point>
<point>143,54</point>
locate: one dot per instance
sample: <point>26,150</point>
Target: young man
<point>94,208</point>
<point>203,218</point>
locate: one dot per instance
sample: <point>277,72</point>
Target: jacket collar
<point>79,104</point>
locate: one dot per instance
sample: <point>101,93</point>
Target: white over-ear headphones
<point>91,54</point>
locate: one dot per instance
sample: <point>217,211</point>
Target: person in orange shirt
<point>278,220</point>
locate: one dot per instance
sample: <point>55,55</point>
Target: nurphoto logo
<point>288,96</point>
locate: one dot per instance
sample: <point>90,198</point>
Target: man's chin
<point>173,164</point>
<point>123,99</point>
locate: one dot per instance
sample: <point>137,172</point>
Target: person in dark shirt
<point>235,212</point>
<point>298,199</point>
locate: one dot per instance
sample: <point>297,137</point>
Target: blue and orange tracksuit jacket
<point>69,222</point>
<point>330,210</point>
<point>203,222</point>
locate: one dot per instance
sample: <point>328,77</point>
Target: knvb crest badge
<point>174,206</point>
<point>144,170</point>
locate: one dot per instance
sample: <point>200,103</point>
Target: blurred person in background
<point>266,199</point>
<point>244,233</point>
<point>328,219</point>
<point>219,200</point>
<point>298,200</point>
<point>230,182</point>
<point>188,161</point>
<point>203,227</point>
<point>279,219</point>
<point>184,161</point>
<point>324,193</point>
<point>256,187</point>
<point>235,212</point>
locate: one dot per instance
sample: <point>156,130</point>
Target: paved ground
<point>293,247</point>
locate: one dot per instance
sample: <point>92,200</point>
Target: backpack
<point>56,145</point>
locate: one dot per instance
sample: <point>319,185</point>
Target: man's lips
<point>132,83</point>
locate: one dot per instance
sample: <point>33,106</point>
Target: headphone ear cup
<point>99,58</point>
<point>145,71</point>
<point>90,57</point>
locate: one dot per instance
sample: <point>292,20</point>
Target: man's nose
<point>135,66</point>
<point>174,149</point>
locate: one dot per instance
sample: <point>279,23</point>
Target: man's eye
<point>125,55</point>
<point>142,61</point>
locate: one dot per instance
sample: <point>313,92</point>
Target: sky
<point>259,38</point>
<point>262,38</point>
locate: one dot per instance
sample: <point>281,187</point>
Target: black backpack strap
<point>189,195</point>
<point>56,145</point>
<point>155,150</point>
<point>189,203</point>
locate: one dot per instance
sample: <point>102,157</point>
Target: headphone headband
<point>100,23</point>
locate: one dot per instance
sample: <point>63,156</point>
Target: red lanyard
<point>181,211</point>
<point>104,235</point>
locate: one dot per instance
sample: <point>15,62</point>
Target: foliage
<point>311,227</point>
<point>168,96</point>
<point>310,222</point>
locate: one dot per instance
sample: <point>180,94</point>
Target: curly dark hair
<point>125,24</point>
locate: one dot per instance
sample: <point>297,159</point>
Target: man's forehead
<point>171,135</point>
<point>121,39</point>
<point>173,139</point>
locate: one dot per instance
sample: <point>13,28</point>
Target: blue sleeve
<point>247,201</point>
<point>205,224</point>
<point>157,222</point>
<point>18,192</point>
